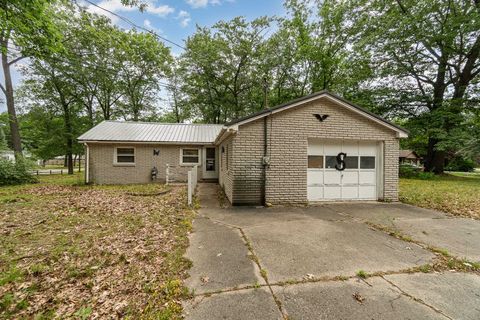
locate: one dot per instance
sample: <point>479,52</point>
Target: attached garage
<point>316,148</point>
<point>344,170</point>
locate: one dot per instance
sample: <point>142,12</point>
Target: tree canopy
<point>414,62</point>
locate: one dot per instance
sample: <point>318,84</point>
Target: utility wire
<point>92,67</point>
<point>135,25</point>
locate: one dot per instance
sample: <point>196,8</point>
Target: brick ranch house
<point>316,148</point>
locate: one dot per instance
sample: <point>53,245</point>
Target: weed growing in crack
<point>362,274</point>
<point>263,272</point>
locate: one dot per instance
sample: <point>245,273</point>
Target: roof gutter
<point>148,142</point>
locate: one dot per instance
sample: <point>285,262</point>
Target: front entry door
<point>210,163</point>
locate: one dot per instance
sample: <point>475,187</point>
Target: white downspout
<point>87,164</point>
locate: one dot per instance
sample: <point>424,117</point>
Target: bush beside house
<point>15,172</point>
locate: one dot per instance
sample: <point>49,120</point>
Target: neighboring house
<point>410,157</point>
<point>7,155</point>
<point>316,148</point>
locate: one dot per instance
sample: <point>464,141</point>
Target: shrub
<point>426,175</point>
<point>15,172</point>
<point>409,171</point>
<point>461,164</point>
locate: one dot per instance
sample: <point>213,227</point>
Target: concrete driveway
<point>302,263</point>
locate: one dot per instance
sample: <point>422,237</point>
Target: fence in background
<point>42,172</point>
<point>192,183</point>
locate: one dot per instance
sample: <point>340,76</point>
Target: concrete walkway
<point>301,263</point>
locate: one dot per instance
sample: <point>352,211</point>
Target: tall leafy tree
<point>145,61</point>
<point>221,67</point>
<point>427,56</point>
<point>26,30</point>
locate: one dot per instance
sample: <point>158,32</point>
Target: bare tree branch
<point>16,60</point>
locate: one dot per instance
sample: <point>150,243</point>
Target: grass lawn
<point>455,193</point>
<point>75,251</point>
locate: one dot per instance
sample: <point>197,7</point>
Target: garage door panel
<point>368,177</point>
<point>331,193</point>
<point>367,192</point>
<point>315,149</point>
<point>368,148</point>
<point>315,193</point>
<point>332,148</point>
<point>350,148</point>
<point>350,192</point>
<point>314,177</point>
<point>350,177</point>
<point>332,177</point>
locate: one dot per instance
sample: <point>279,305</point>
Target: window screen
<point>125,155</point>
<point>190,156</point>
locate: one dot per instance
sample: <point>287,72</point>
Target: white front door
<point>342,170</point>
<point>210,163</point>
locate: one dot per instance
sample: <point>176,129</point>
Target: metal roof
<point>124,131</point>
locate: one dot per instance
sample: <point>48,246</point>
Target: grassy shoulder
<point>454,193</point>
<point>76,251</point>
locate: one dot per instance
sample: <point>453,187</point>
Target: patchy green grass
<point>454,193</point>
<point>76,251</point>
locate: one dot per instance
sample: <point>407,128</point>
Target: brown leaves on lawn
<point>93,253</point>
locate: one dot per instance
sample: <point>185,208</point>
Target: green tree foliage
<point>26,30</point>
<point>221,69</point>
<point>426,54</point>
<point>239,67</point>
<point>144,62</point>
<point>102,73</point>
<point>414,62</point>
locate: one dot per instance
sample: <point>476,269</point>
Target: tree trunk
<point>12,115</point>
<point>68,129</point>
<point>435,159</point>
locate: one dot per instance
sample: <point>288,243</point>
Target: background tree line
<point>414,62</point>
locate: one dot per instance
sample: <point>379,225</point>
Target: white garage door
<point>357,181</point>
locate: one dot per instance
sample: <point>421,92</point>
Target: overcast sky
<point>176,19</point>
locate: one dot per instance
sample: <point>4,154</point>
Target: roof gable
<point>410,154</point>
<point>401,132</point>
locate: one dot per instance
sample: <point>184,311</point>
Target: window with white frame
<point>124,155</point>
<point>190,156</point>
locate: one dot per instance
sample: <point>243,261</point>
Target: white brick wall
<point>103,171</point>
<point>288,132</point>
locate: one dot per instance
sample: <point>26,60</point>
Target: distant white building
<point>7,155</point>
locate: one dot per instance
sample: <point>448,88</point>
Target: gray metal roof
<point>152,132</point>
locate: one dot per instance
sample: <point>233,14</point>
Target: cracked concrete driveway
<point>301,263</point>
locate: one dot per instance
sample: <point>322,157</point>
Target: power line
<point>83,64</point>
<point>135,25</point>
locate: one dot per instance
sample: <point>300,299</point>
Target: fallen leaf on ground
<point>358,297</point>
